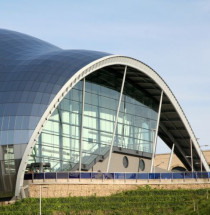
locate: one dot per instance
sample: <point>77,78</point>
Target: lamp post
<point>40,199</point>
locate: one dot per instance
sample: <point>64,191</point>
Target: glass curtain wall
<point>9,161</point>
<point>58,143</point>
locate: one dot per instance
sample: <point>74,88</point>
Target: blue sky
<point>173,37</point>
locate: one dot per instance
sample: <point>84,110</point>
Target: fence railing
<point>116,175</point>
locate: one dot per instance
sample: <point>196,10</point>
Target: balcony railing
<point>116,175</point>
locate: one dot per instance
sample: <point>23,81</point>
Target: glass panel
<point>143,175</point>
<point>9,162</point>
<point>58,143</point>
<point>166,175</point>
<point>178,175</point>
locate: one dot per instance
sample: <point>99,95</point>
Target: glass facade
<point>8,162</point>
<point>59,142</point>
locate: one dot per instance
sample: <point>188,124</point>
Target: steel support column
<point>191,150</point>
<point>201,153</point>
<point>170,159</point>
<point>156,132</point>
<point>81,130</point>
<point>60,139</point>
<point>116,119</point>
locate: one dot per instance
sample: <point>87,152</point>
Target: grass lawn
<point>140,201</point>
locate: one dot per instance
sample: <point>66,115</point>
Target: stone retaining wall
<point>66,190</point>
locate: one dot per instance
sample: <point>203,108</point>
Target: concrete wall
<point>116,164</point>
<point>66,190</point>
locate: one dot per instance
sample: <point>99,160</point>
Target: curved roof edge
<point>83,72</point>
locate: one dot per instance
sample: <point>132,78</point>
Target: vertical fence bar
<point>91,175</point>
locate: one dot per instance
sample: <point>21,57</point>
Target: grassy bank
<point>140,201</point>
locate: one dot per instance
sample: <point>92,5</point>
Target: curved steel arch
<point>85,71</point>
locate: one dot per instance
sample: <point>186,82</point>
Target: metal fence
<point>125,176</point>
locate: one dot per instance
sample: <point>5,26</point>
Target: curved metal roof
<point>32,72</point>
<point>35,76</point>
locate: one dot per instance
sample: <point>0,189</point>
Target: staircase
<point>90,160</point>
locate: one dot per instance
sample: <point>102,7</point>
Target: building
<point>162,161</point>
<point>63,110</point>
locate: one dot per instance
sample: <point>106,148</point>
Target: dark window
<point>178,169</point>
<point>141,165</point>
<point>125,161</point>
